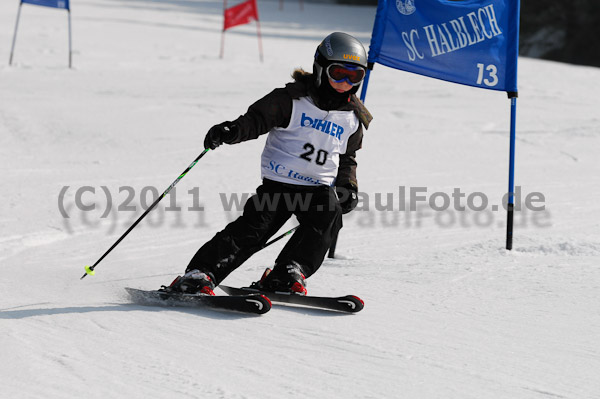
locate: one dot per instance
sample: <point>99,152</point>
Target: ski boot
<point>192,282</point>
<point>287,278</point>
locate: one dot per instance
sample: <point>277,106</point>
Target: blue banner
<point>471,42</point>
<point>49,3</point>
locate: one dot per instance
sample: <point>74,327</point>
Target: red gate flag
<point>241,14</point>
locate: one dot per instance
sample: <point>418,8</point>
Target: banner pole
<point>12,49</point>
<point>363,93</point>
<point>70,40</point>
<point>511,170</point>
<point>331,253</point>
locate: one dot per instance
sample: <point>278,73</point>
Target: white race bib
<point>307,152</point>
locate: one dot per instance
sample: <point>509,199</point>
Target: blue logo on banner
<point>406,7</point>
<point>472,42</point>
<point>49,3</point>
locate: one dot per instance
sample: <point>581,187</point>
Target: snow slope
<point>449,313</point>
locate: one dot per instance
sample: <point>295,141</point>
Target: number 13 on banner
<point>488,75</point>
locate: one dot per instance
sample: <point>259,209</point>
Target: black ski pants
<point>316,208</point>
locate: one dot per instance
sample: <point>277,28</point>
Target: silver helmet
<point>338,47</point>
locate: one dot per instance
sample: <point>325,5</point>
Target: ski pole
<point>253,250</point>
<point>90,269</point>
<point>274,240</point>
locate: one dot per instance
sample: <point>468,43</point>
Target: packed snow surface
<point>449,313</point>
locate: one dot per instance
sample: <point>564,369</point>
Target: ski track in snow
<point>449,313</point>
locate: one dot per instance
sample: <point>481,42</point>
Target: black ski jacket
<point>275,110</point>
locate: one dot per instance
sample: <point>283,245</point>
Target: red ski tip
<point>360,300</point>
<point>267,298</point>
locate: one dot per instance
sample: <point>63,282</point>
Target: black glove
<point>219,134</point>
<point>348,197</point>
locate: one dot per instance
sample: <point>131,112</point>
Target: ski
<point>247,303</point>
<point>348,303</point>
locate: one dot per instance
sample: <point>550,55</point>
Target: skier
<point>308,168</point>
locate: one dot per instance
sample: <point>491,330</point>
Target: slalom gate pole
<point>12,48</point>
<point>90,269</point>
<point>223,31</point>
<point>70,40</point>
<point>260,48</point>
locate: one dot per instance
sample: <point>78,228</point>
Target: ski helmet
<point>338,47</point>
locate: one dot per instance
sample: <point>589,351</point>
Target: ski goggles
<point>344,72</point>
